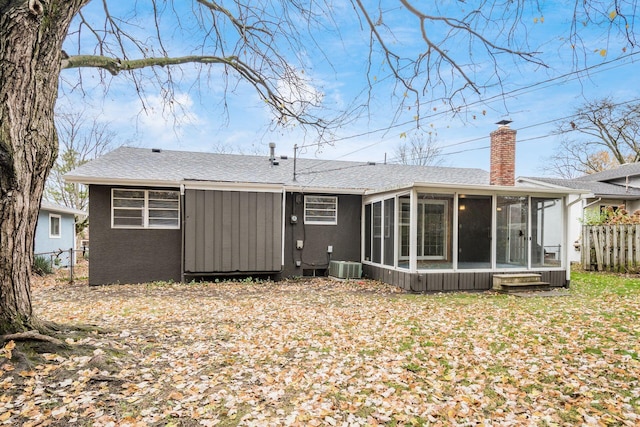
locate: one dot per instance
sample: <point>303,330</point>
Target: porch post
<point>413,231</point>
<point>454,231</point>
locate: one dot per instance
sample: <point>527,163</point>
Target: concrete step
<point>522,287</point>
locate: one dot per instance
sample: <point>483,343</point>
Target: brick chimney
<point>503,155</point>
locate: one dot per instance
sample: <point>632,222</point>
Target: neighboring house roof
<point>622,171</point>
<point>152,167</point>
<point>52,207</point>
<point>599,189</point>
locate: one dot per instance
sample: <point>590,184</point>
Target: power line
<point>520,140</point>
<point>535,86</point>
<point>307,171</point>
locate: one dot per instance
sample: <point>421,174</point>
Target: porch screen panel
<point>434,230</point>
<point>474,232</point>
<point>367,232</point>
<point>376,245</point>
<point>232,231</point>
<point>388,230</point>
<point>404,223</point>
<point>546,232</point>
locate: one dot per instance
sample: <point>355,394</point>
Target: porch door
<point>512,232</point>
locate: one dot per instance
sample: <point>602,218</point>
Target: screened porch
<point>425,230</point>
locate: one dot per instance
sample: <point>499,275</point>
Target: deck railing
<point>613,248</point>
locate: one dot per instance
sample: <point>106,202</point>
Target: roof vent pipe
<point>272,152</point>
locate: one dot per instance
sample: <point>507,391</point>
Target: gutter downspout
<point>598,200</point>
<point>284,225</point>
<point>182,226</point>
<point>565,254</point>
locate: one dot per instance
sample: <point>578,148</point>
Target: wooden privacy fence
<point>611,247</point>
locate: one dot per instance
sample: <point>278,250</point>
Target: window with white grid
<point>145,208</point>
<point>321,210</point>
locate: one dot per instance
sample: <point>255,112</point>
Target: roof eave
<point>616,196</point>
<point>479,187</point>
<point>120,181</point>
<point>62,209</point>
<point>331,190</point>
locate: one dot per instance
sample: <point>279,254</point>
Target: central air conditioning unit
<point>345,269</point>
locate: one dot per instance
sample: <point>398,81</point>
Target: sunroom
<point>430,238</point>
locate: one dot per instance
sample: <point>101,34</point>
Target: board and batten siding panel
<point>260,221</point>
<point>232,231</point>
<point>189,251</point>
<point>207,254</point>
<point>252,212</point>
<point>227,221</point>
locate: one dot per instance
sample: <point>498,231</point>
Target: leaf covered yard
<point>322,352</point>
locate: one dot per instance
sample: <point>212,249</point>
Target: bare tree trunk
<point>31,36</point>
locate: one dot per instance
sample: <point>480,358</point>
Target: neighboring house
<point>170,215</point>
<point>56,232</point>
<point>615,188</point>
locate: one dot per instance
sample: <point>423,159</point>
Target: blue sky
<point>533,97</point>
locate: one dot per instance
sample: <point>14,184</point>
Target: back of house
<point>173,215</point>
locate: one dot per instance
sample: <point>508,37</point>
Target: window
<point>54,226</point>
<point>145,209</point>
<point>321,210</point>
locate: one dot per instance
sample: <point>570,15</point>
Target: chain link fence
<point>49,262</point>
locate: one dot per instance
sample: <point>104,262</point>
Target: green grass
<point>602,284</point>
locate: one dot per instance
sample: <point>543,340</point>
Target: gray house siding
<point>344,237</point>
<point>129,255</point>
<point>232,232</point>
<point>454,281</point>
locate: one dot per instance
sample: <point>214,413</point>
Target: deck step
<point>516,277</point>
<point>519,282</point>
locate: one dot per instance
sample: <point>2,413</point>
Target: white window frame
<point>145,210</point>
<point>328,200</point>
<point>52,235</point>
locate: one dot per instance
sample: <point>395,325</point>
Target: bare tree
<point>157,44</point>
<point>600,135</point>
<point>421,149</point>
<point>81,139</point>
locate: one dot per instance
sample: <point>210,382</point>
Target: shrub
<point>41,266</point>
<point>611,216</point>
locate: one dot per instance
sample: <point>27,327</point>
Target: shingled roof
<point>621,171</point>
<point>168,167</point>
<point>52,207</point>
<point>595,187</point>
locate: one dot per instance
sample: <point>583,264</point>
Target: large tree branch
<point>259,81</point>
<point>116,65</point>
